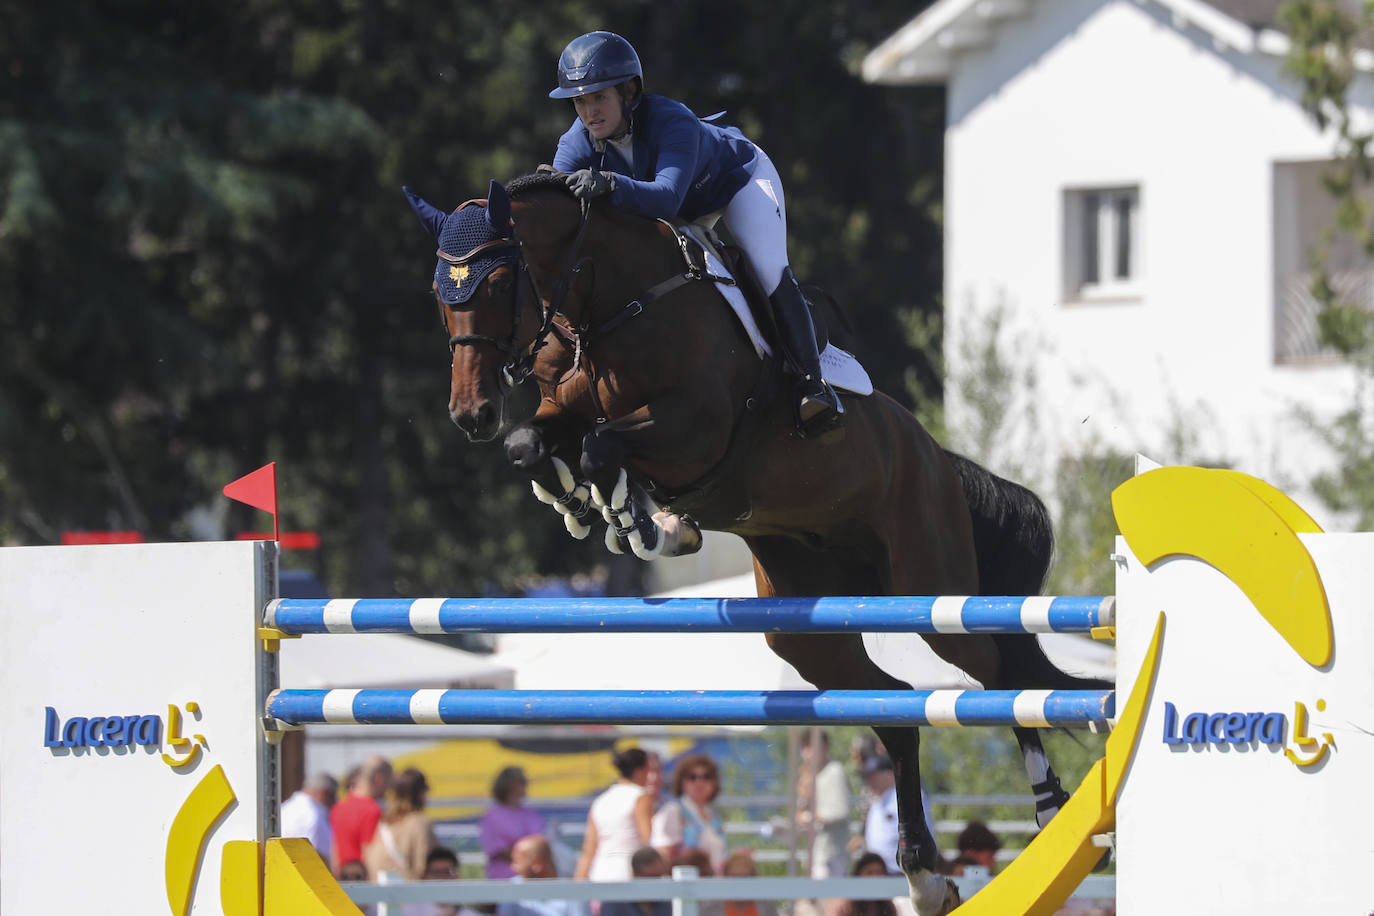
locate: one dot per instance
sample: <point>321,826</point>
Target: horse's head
<point>481,303</point>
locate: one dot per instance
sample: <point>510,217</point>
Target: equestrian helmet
<point>595,61</point>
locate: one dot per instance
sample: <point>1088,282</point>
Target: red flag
<point>259,490</point>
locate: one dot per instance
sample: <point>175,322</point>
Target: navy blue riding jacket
<point>683,166</point>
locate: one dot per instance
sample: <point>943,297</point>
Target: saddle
<point>707,255</point>
<point>699,241</point>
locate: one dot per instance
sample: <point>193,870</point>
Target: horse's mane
<point>539,181</point>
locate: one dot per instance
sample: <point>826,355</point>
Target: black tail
<point>1011,531</point>
<point>1014,542</point>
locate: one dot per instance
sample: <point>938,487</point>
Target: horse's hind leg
<point>840,662</point>
<point>1049,794</point>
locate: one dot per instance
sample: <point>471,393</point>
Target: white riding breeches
<point>757,217</point>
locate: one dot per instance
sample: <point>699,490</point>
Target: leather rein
<point>583,336</point>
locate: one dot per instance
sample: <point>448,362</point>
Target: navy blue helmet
<point>595,61</point>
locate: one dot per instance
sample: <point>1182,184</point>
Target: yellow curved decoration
<point>1236,524</point>
<point>1041,878</point>
<point>298,883</point>
<point>1293,515</point>
<point>186,838</point>
<point>240,878</point>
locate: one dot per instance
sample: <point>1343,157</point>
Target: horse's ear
<point>498,209</point>
<point>430,215</point>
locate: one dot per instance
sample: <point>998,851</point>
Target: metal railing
<point>463,837</point>
<point>686,889</point>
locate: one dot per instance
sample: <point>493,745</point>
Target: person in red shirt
<point>354,819</point>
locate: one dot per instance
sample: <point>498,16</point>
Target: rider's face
<point>601,112</point>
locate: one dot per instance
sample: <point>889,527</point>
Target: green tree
<point>1326,39</point>
<point>206,262</point>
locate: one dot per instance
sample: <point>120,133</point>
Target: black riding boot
<point>817,407</point>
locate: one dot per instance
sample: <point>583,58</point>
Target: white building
<point>1135,185</point>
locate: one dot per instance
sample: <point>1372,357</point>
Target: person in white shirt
<point>618,822</point>
<point>306,812</point>
<point>827,806</point>
<point>689,821</point>
<point>881,835</point>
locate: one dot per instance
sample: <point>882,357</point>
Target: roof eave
<point>925,49</point>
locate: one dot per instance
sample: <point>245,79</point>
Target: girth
<point>720,498</point>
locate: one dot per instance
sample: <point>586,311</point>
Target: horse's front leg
<point>647,534</point>
<point>535,447</point>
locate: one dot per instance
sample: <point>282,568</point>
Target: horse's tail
<point>1014,542</point>
<point>1012,535</point>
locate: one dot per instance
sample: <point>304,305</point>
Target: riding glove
<point>589,183</point>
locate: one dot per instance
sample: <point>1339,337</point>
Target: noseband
<point>520,365</point>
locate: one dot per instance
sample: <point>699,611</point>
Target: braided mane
<point>518,187</point>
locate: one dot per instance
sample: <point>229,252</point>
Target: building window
<point>1101,243</point>
<point>1304,212</point>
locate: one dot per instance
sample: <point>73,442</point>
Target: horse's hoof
<point>932,894</point>
<point>681,536</point>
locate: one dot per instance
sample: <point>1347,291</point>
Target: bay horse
<point>652,396</point>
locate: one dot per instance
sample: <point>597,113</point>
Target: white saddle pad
<point>840,368</point>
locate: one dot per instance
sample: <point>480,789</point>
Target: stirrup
<point>818,409</point>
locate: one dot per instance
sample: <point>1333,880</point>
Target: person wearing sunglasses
<point>689,821</point>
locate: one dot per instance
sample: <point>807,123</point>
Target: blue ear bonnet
<point>463,231</point>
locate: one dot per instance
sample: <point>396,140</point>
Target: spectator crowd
<point>373,827</point>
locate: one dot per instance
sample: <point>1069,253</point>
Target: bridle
<point>519,364</point>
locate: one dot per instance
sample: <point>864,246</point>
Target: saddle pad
<point>840,367</point>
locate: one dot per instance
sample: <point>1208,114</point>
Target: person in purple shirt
<point>507,821</point>
<point>650,155</point>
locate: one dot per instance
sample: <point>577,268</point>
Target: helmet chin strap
<point>627,116</point>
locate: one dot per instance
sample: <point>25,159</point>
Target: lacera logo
<point>101,731</point>
<point>1242,728</point>
<point>122,731</point>
<point>1310,751</point>
<point>1223,727</point>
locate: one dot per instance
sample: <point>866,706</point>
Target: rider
<point>655,158</point>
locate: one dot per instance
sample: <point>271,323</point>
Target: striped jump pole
<point>1034,708</point>
<point>943,614</point>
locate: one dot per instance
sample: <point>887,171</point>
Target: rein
<point>589,333</point>
<point>636,306</point>
<point>519,366</point>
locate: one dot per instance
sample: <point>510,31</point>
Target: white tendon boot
<point>932,894</point>
<point>571,504</point>
<point>619,512</point>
